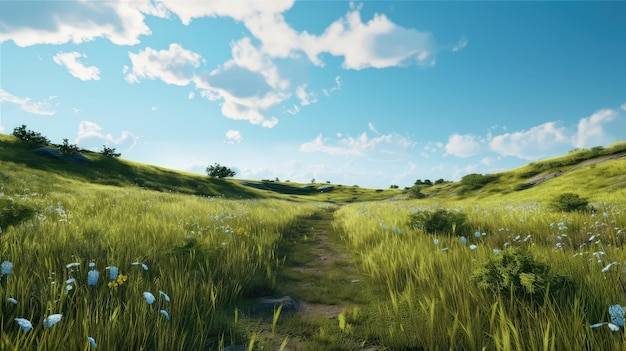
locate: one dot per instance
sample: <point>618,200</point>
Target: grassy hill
<point>390,280</point>
<point>18,161</point>
<point>598,173</point>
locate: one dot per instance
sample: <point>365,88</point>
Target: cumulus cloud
<point>173,66</point>
<point>36,107</point>
<point>70,60</point>
<point>462,145</point>
<point>537,142</point>
<point>377,43</point>
<point>29,23</point>
<point>233,137</point>
<point>590,131</point>
<point>91,133</point>
<point>359,146</point>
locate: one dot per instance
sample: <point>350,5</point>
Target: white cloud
<point>248,84</point>
<point>88,131</point>
<point>359,146</point>
<point>173,66</point>
<point>75,67</point>
<point>623,107</point>
<point>335,88</point>
<point>306,98</point>
<point>591,131</point>
<point>462,145</point>
<point>191,95</point>
<point>372,128</point>
<point>238,10</point>
<point>39,107</point>
<point>377,43</point>
<point>460,45</point>
<point>29,23</point>
<point>539,141</point>
<point>233,136</point>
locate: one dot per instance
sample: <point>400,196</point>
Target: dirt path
<point>317,271</point>
<point>320,276</point>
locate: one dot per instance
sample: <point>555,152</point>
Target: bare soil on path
<point>319,274</point>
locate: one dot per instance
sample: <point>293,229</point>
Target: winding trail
<point>318,273</point>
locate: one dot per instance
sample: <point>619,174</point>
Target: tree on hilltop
<point>220,171</point>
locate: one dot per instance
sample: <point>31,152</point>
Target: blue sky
<point>370,93</point>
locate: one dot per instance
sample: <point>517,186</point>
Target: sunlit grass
<point>204,253</point>
<point>432,303</point>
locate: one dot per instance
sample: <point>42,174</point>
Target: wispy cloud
<point>372,128</point>
<point>173,66</point>
<point>591,130</point>
<point>70,60</point>
<point>460,45</point>
<point>537,142</point>
<point>462,145</point>
<point>91,133</point>
<point>38,107</point>
<point>359,146</point>
<point>233,137</point>
<point>305,97</point>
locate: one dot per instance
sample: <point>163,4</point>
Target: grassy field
<point>129,255</point>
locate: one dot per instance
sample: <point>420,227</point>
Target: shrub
<point>415,192</point>
<point>67,148</point>
<point>523,186</point>
<point>476,181</point>
<point>220,171</point>
<point>109,152</point>
<point>516,272</point>
<point>30,137</point>
<point>12,213</point>
<point>569,202</point>
<point>439,221</point>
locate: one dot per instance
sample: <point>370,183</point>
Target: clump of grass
<point>12,213</point>
<point>569,202</point>
<point>439,221</point>
<point>517,272</point>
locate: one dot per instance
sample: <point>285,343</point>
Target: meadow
<point>194,256</point>
<point>98,259</point>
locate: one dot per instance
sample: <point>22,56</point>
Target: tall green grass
<point>430,300</point>
<point>204,253</point>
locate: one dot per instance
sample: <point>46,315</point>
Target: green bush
<point>516,272</point>
<point>569,202</point>
<point>12,213</point>
<point>439,221</point>
<point>30,137</point>
<point>110,152</point>
<point>476,181</point>
<point>67,148</point>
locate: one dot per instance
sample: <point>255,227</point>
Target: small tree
<point>109,152</point>
<point>569,202</point>
<point>220,171</point>
<point>67,148</point>
<point>30,137</point>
